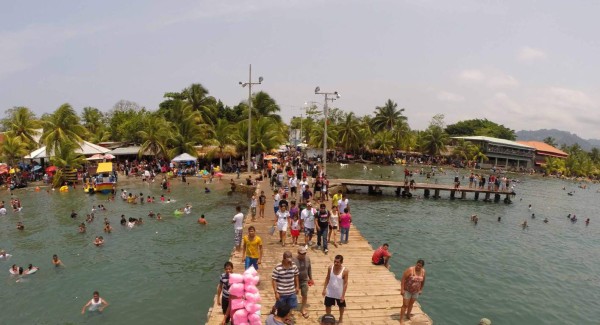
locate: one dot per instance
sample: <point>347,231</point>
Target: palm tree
<point>264,105</point>
<point>23,124</point>
<point>197,96</point>
<point>154,136</point>
<point>13,149</point>
<point>384,141</point>
<point>550,141</point>
<point>401,135</point>
<point>349,132</point>
<point>267,134</point>
<point>62,127</point>
<point>463,149</point>
<point>387,116</point>
<point>433,140</point>
<point>221,135</point>
<point>316,136</point>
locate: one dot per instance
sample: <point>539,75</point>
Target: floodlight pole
<point>249,84</point>
<point>335,95</point>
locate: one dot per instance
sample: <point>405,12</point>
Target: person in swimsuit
<point>96,303</point>
<point>412,283</point>
<point>56,261</point>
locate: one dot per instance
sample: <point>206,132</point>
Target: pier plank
<point>373,295</point>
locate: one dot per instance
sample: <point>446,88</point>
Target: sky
<point>525,64</point>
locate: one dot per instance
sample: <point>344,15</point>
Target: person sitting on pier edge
<point>381,256</point>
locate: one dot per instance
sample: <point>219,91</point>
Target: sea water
<point>167,272</point>
<point>548,273</point>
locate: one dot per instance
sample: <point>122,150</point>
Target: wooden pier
<point>429,189</point>
<point>373,295</point>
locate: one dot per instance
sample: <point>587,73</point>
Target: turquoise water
<point>158,273</point>
<point>547,274</point>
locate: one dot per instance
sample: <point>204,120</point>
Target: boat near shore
<point>103,181</point>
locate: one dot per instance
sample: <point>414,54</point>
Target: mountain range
<point>560,137</point>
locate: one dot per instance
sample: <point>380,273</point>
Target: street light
<point>249,84</point>
<point>335,95</point>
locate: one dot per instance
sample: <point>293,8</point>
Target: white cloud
<point>471,75</point>
<point>492,78</point>
<point>446,96</point>
<point>527,54</point>
<point>501,80</point>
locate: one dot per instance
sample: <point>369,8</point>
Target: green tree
<point>316,136</point>
<point>62,127</point>
<point>387,116</point>
<point>550,141</point>
<point>221,134</point>
<point>480,127</point>
<point>263,105</point>
<point>348,132</point>
<point>384,141</point>
<point>154,136</point>
<point>22,123</point>
<point>433,140</point>
<point>13,149</point>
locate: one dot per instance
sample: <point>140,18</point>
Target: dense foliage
<point>191,117</point>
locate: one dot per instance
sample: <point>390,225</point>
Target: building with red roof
<point>543,150</point>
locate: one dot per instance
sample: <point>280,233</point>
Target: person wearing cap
<point>307,216</point>
<point>327,319</point>
<point>285,282</point>
<point>304,276</point>
<point>336,284</point>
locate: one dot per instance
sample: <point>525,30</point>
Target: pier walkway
<point>429,189</point>
<point>373,295</point>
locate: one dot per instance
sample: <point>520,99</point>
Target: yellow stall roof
<point>105,167</point>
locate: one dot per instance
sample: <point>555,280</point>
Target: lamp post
<point>334,95</point>
<point>249,84</point>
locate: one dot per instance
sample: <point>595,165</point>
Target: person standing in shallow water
<point>412,283</point>
<point>96,303</point>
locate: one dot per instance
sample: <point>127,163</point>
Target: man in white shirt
<point>293,186</point>
<point>238,221</point>
<point>308,222</point>
<point>343,203</point>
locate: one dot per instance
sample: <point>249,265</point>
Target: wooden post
<point>487,197</point>
<point>426,193</point>
<point>496,197</point>
<point>463,195</point>
<point>452,194</point>
<point>436,195</point>
<point>476,196</point>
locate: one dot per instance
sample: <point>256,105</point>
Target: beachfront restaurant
<point>502,153</point>
<point>543,151</point>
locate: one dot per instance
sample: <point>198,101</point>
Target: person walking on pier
<point>323,223</point>
<point>281,221</point>
<point>305,276</point>
<point>412,283</point>
<point>238,221</point>
<point>285,282</point>
<point>252,250</point>
<point>336,284</point>
<point>308,223</point>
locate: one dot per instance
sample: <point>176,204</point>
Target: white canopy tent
<point>184,157</point>
<point>86,148</point>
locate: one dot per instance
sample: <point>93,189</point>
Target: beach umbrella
<point>270,157</point>
<point>51,169</point>
<point>109,156</point>
<point>37,167</point>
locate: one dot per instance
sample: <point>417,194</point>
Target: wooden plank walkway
<point>373,295</point>
<point>427,187</point>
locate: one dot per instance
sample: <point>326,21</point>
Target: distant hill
<point>559,136</point>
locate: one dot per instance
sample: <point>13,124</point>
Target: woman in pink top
<point>345,221</point>
<point>412,283</point>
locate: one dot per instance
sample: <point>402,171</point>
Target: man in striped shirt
<point>285,282</point>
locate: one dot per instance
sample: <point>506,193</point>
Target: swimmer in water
<point>99,241</point>
<point>158,217</point>
<point>107,227</point>
<point>587,221</point>
<point>151,214</point>
<point>206,190</point>
<point>4,255</point>
<point>96,303</point>
<point>82,227</point>
<point>31,269</point>
<point>545,220</point>
<point>14,269</point>
<point>524,224</point>
<point>499,219</point>
<point>20,226</point>
<point>202,220</point>
<point>533,216</point>
<point>187,209</point>
<point>56,261</point>
<point>530,207</point>
<point>123,220</point>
